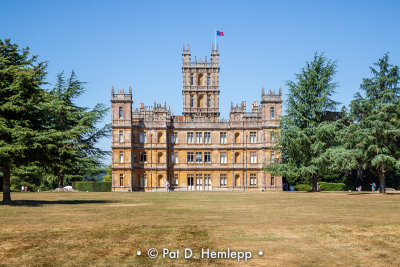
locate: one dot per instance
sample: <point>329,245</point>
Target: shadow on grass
<point>38,203</point>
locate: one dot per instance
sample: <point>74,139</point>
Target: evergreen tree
<point>303,137</point>
<point>374,137</point>
<point>76,154</point>
<point>25,110</point>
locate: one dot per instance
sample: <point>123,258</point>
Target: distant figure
<point>167,186</point>
<point>359,188</point>
<point>317,186</point>
<point>373,187</point>
<point>26,189</point>
<point>22,189</point>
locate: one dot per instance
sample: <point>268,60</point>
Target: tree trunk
<point>314,184</point>
<point>382,186</point>
<point>6,184</point>
<point>60,181</point>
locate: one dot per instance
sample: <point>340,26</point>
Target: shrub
<point>324,186</point>
<point>302,187</point>
<point>93,186</point>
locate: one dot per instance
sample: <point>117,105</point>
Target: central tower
<point>200,86</point>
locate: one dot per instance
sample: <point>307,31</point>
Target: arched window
<point>121,112</point>
<point>200,79</point>
<point>209,79</point>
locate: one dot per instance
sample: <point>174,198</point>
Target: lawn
<point>290,228</point>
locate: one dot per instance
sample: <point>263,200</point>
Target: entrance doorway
<point>190,182</point>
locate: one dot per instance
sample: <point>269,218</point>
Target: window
<point>207,138</point>
<point>272,180</point>
<point>209,101</point>
<point>190,158</point>
<point>222,157</point>
<point>272,155</point>
<point>175,180</point>
<point>253,179</point>
<point>191,101</point>
<point>143,137</point>
<point>253,157</point>
<point>207,157</point>
<point>143,156</point>
<point>191,79</point>
<point>121,180</point>
<point>199,157</point>
<point>121,136</point>
<point>253,137</point>
<point>222,180</point>
<point>222,138</point>
<point>174,138</point>
<point>143,180</point>
<point>121,112</point>
<point>199,181</point>
<point>207,181</point>
<point>272,137</point>
<point>209,79</point>
<point>272,110</point>
<point>174,157</point>
<point>199,138</point>
<point>121,156</point>
<point>190,138</point>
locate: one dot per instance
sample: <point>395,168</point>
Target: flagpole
<point>215,36</point>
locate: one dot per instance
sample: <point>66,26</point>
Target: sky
<point>139,44</point>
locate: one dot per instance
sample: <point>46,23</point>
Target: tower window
<point>207,138</point>
<point>272,110</point>
<point>272,155</point>
<point>222,138</point>
<point>209,101</point>
<point>222,157</point>
<point>143,157</point>
<point>143,137</point>
<point>121,156</point>
<point>121,112</point>
<point>191,79</point>
<point>199,157</point>
<point>253,157</point>
<point>200,79</point>
<point>191,101</point>
<point>253,137</point>
<point>209,79</point>
<point>190,157</point>
<point>121,136</point>
<point>189,137</point>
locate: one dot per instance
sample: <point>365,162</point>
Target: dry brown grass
<point>292,229</point>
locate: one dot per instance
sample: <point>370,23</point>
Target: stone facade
<point>196,150</point>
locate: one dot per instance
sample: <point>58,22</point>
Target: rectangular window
<point>121,112</point>
<point>272,137</point>
<point>272,155</point>
<point>222,138</point>
<point>207,181</point>
<point>121,180</point>
<point>253,157</point>
<point>207,138</point>
<point>207,157</point>
<point>272,110</point>
<point>191,101</point>
<point>143,137</point>
<point>199,182</point>
<point>222,180</point>
<point>121,136</point>
<point>191,79</point>
<point>174,138</point>
<point>209,79</point>
<point>272,180</point>
<point>253,179</point>
<point>190,157</point>
<point>143,180</point>
<point>121,157</point>
<point>199,157</point>
<point>143,157</point>
<point>190,138</point>
<point>222,157</point>
<point>174,157</point>
<point>199,138</point>
<point>253,137</point>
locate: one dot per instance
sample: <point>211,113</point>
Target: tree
<point>76,154</point>
<point>303,139</point>
<point>108,176</point>
<point>25,111</point>
<point>375,132</point>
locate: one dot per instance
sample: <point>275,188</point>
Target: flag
<point>220,33</point>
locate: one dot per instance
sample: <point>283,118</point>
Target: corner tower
<point>200,86</point>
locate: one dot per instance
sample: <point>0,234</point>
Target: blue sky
<point>139,43</point>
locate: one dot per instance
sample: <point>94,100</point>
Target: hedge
<point>324,186</point>
<point>302,187</point>
<point>93,186</point>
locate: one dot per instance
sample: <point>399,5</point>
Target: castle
<point>197,150</point>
